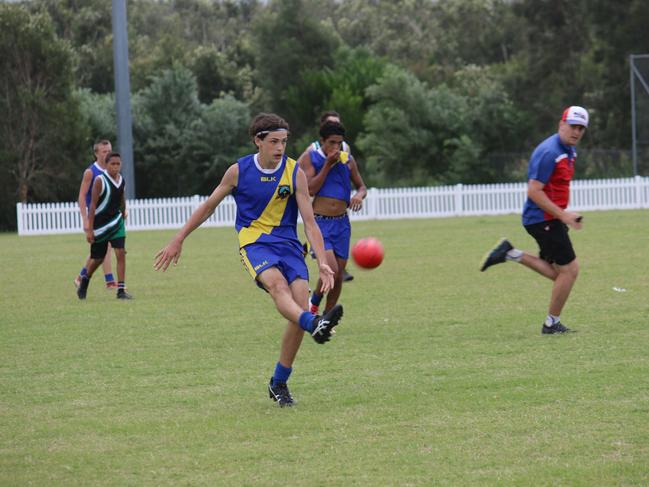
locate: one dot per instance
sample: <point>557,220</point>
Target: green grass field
<point>438,374</point>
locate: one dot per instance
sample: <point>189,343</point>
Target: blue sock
<point>109,277</point>
<point>306,321</point>
<point>281,374</point>
<point>84,272</point>
<point>316,298</point>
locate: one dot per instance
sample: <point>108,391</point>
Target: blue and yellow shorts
<point>336,232</point>
<point>286,256</point>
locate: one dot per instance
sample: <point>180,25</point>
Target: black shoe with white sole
<point>324,325</point>
<point>280,394</point>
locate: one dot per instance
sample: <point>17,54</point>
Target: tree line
<point>430,92</point>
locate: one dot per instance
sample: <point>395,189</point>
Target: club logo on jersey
<point>284,191</point>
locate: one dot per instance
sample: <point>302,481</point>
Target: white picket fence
<point>380,204</point>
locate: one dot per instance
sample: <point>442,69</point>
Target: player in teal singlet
<point>101,148</point>
<point>106,216</point>
<point>269,190</point>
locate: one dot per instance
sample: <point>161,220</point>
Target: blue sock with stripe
<point>316,298</point>
<point>306,321</point>
<point>109,277</point>
<point>83,273</point>
<point>281,374</point>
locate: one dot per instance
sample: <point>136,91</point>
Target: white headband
<point>264,132</point>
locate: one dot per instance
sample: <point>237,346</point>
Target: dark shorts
<point>336,233</point>
<point>287,257</point>
<point>555,246</point>
<point>98,249</point>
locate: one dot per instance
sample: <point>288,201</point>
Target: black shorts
<point>98,249</point>
<point>554,243</point>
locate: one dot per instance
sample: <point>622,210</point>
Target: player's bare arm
<point>315,181</point>
<point>304,161</point>
<point>122,207</point>
<point>97,188</point>
<point>536,194</point>
<point>171,252</point>
<point>83,190</point>
<point>356,201</point>
<point>312,230</point>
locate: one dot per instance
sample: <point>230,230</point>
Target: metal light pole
<point>634,153</point>
<point>123,95</point>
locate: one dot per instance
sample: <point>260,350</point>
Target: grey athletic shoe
<point>497,255</point>
<point>556,328</point>
<point>122,294</point>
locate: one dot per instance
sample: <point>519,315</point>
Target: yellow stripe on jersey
<point>274,211</point>
<point>247,264</point>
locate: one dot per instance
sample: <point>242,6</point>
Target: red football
<point>368,253</point>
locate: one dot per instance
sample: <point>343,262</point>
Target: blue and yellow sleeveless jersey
<point>337,183</point>
<point>96,171</point>
<point>266,204</point>
<point>315,145</point>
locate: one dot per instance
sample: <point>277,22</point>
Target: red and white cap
<point>575,116</point>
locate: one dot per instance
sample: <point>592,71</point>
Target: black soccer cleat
<point>280,394</point>
<point>324,325</point>
<point>497,255</point>
<point>82,290</point>
<point>347,276</point>
<point>556,328</point>
<point>122,294</point>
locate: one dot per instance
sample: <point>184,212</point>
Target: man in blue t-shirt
<point>545,217</point>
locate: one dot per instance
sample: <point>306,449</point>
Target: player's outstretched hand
<point>169,254</point>
<point>327,277</point>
